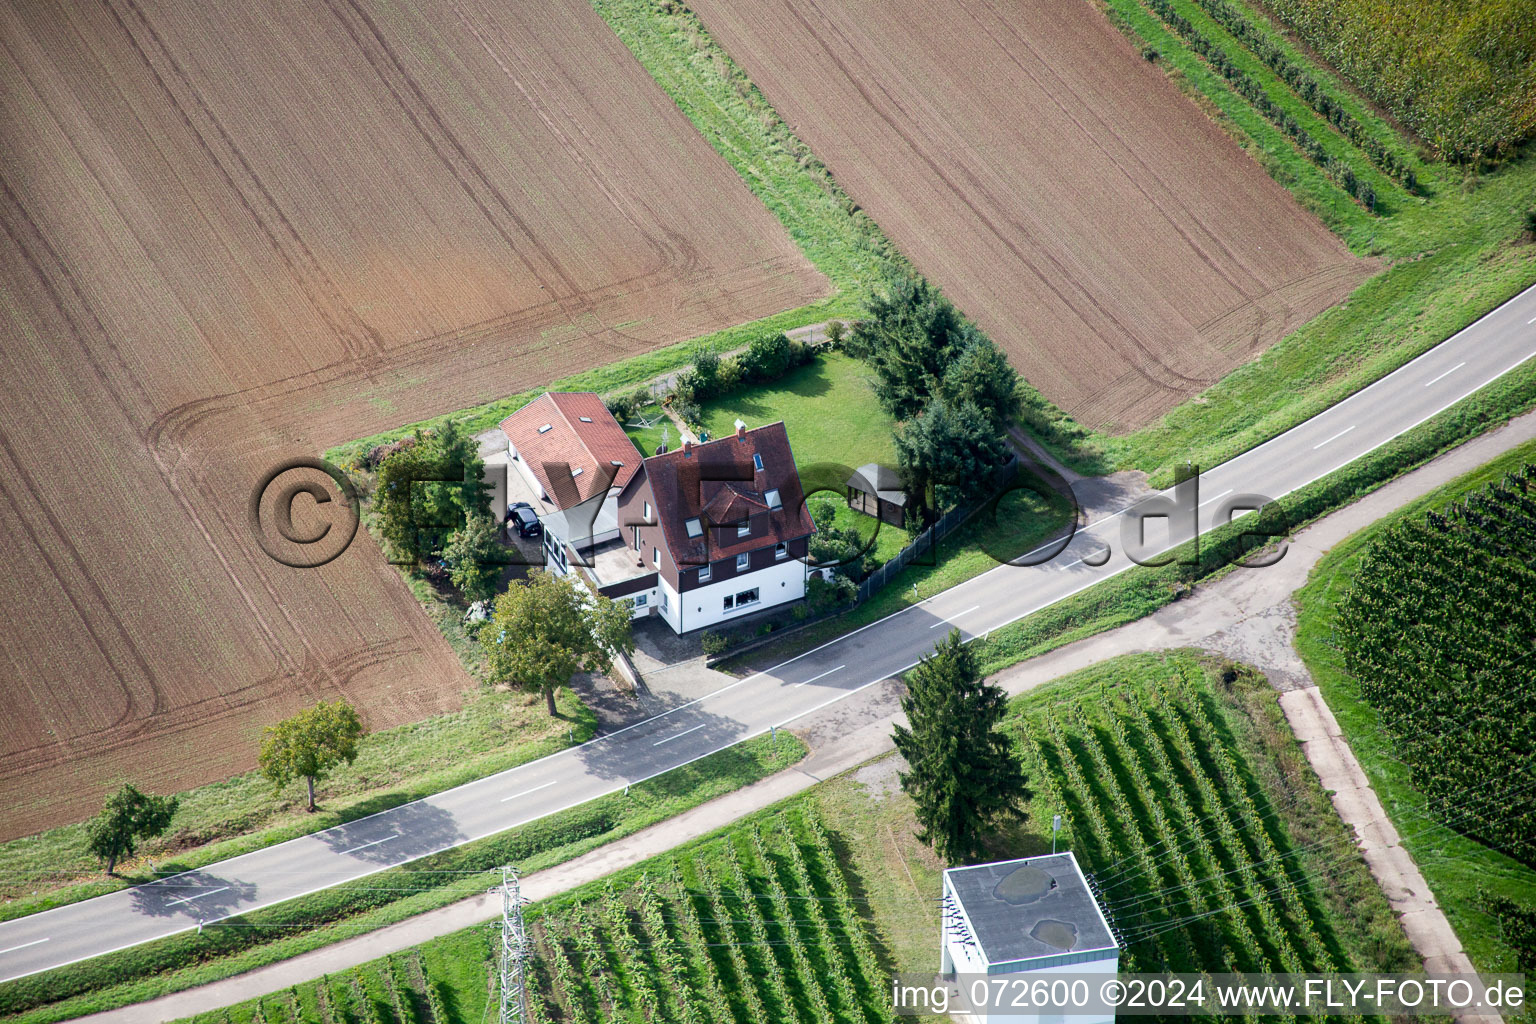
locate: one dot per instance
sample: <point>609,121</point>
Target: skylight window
<point>774,501</point>
<point>576,471</point>
<point>615,462</point>
<point>695,528</point>
<point>757,461</point>
<point>545,428</point>
<point>585,419</point>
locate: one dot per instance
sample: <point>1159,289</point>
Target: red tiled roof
<point>718,483</point>
<point>591,445</point>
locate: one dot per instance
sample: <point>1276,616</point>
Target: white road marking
<point>1335,437</point>
<point>24,945</point>
<point>822,676</point>
<point>376,842</point>
<point>945,622</point>
<point>525,792</point>
<point>1218,497</point>
<point>1447,373</point>
<point>685,732</point>
<point>189,899</point>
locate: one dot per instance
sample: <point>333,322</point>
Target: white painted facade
<point>704,606</point>
<point>961,954</point>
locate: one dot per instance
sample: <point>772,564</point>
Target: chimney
<point>741,431</point>
<point>687,448</point>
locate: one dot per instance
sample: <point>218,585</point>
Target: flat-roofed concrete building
<point>1036,918</point>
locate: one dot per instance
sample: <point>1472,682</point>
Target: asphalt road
<point>1441,377</point>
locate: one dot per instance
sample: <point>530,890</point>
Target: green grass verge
<point>796,913</point>
<point>253,940</point>
<point>1456,867</point>
<point>494,731</point>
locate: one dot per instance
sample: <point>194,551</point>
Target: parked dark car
<point>522,518</point>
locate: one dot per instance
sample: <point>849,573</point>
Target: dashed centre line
<point>525,792</point>
<point>24,945</point>
<point>189,899</point>
<point>1335,437</point>
<point>1447,373</point>
<point>685,732</point>
<point>822,676</point>
<point>946,622</point>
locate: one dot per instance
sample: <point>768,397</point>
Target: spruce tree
<point>962,774</point>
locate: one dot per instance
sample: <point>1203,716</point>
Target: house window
<point>781,550</point>
<point>746,597</point>
<point>729,602</point>
<point>774,501</point>
<point>757,461</point>
<point>745,529</point>
<point>656,556</point>
<point>640,600</point>
<point>703,573</point>
<point>647,511</point>
<point>695,527</point>
<point>637,537</point>
<point>743,560</point>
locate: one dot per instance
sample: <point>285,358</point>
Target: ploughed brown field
<point>235,233</point>
<point>1123,251</point>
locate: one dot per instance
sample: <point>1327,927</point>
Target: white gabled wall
<point>697,609</point>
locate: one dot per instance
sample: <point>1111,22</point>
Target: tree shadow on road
<point>195,895</point>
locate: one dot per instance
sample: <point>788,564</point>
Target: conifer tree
<point>961,774</point>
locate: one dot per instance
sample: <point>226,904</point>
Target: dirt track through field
<point>1058,187</point>
<point>234,234</point>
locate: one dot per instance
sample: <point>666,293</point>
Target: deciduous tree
<point>127,817</point>
<point>428,491</point>
<point>962,775</point>
<point>542,631</point>
<point>475,558</point>
<point>311,743</point>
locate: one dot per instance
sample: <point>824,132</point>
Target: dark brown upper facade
<point>705,506</point>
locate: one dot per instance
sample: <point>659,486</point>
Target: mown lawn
<point>829,411</point>
<point>1457,868</point>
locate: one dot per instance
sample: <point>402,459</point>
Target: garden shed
<point>876,490</point>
